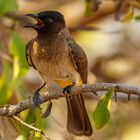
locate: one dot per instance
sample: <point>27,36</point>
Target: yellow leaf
<point>128,17</point>
<point>16,68</point>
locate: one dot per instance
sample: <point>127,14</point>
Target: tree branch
<point>11,110</point>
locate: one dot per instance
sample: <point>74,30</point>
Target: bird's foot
<point>67,89</point>
<point>36,96</point>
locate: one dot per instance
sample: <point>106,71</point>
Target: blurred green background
<point>113,52</point>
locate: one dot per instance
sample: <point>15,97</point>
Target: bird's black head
<point>50,22</point>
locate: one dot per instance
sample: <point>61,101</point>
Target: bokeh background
<point>113,50</point>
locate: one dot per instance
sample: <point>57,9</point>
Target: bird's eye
<point>48,20</point>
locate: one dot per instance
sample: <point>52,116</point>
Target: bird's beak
<point>39,23</point>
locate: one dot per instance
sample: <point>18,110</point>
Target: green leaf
<point>39,124</point>
<point>12,75</point>
<point>7,6</point>
<point>5,83</point>
<point>39,120</point>
<point>17,49</point>
<point>25,131</point>
<point>88,8</point>
<point>33,117</point>
<point>137,18</point>
<point>101,114</point>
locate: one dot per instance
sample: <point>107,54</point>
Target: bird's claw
<point>36,98</point>
<point>67,89</point>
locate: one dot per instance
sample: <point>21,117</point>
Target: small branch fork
<point>13,110</point>
<point>30,126</point>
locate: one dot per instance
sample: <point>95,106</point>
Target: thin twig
<point>10,110</point>
<point>115,96</point>
<point>128,97</point>
<point>30,126</point>
<point>6,56</point>
<point>139,98</point>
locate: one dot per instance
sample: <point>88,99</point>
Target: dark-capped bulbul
<point>60,60</point>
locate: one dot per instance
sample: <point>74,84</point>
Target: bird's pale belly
<point>57,71</point>
<point>63,73</point>
<point>64,70</point>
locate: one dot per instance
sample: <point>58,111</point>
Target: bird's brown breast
<point>53,61</point>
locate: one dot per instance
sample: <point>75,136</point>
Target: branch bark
<point>11,110</point>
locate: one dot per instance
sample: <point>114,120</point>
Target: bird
<point>61,61</point>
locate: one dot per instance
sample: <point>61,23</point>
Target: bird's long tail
<point>78,122</point>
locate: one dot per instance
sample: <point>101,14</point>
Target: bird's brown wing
<point>78,121</point>
<point>29,46</point>
<point>79,59</point>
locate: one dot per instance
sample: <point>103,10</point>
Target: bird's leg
<point>36,96</point>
